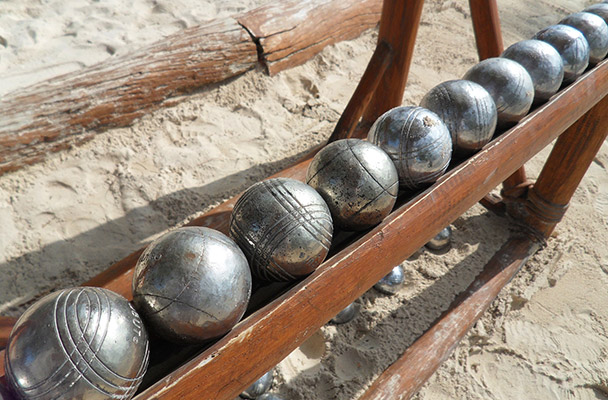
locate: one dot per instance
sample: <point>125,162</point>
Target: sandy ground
<point>67,219</point>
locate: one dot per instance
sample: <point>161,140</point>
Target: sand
<point>68,218</point>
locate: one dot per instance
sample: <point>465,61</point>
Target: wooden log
<point>68,109</point>
<point>291,32</point>
<point>398,29</point>
<point>406,375</point>
<point>231,364</point>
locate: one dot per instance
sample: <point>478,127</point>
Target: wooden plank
<point>6,325</point>
<point>230,365</point>
<point>486,25</point>
<point>291,32</point>
<point>398,29</point>
<point>406,375</point>
<point>69,109</point>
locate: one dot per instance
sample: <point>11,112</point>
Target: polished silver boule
<point>417,141</point>
<point>571,45</point>
<point>357,180</point>
<point>392,282</point>
<point>543,63</point>
<point>78,343</point>
<point>346,315</point>
<point>284,228</point>
<point>508,83</point>
<point>259,387</point>
<point>191,285</point>
<point>441,240</point>
<point>594,29</point>
<point>600,9</point>
<point>468,111</point>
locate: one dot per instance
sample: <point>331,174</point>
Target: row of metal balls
<point>194,284</point>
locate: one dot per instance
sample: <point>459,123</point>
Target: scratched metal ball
<point>508,83</point>
<point>346,315</point>
<point>543,63</point>
<point>417,141</point>
<point>284,228</point>
<point>468,111</point>
<point>392,282</point>
<point>600,9</point>
<point>441,240</point>
<point>571,44</point>
<point>594,29</point>
<point>259,387</point>
<point>191,285</point>
<point>357,179</point>
<point>78,343</point>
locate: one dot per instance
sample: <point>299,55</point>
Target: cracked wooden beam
<point>289,33</point>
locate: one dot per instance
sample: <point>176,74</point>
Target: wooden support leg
<point>405,377</point>
<point>363,94</point>
<point>570,158</point>
<point>6,325</point>
<point>398,29</point>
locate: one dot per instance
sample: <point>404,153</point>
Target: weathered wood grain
<point>69,109</point>
<point>291,32</point>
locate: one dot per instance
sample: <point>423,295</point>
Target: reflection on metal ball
<point>191,285</point>
<point>441,240</point>
<point>346,315</point>
<point>543,63</point>
<point>79,343</point>
<point>595,31</point>
<point>571,44</point>
<point>600,9</point>
<point>357,179</point>
<point>392,282</point>
<point>269,396</point>
<point>468,111</point>
<point>417,141</point>
<point>259,387</point>
<point>508,83</point>
<point>284,228</point>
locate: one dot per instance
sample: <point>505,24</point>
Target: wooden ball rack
<point>279,322</point>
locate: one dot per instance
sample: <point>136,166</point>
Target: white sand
<point>67,219</point>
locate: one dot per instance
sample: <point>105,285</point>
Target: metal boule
<point>346,315</point>
<point>543,63</point>
<point>417,141</point>
<point>284,228</point>
<point>441,240</point>
<point>508,83</point>
<point>571,44</point>
<point>191,285</point>
<point>600,9</point>
<point>259,387</point>
<point>357,180</point>
<point>468,111</point>
<point>594,29</point>
<point>392,282</point>
<point>78,343</point>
